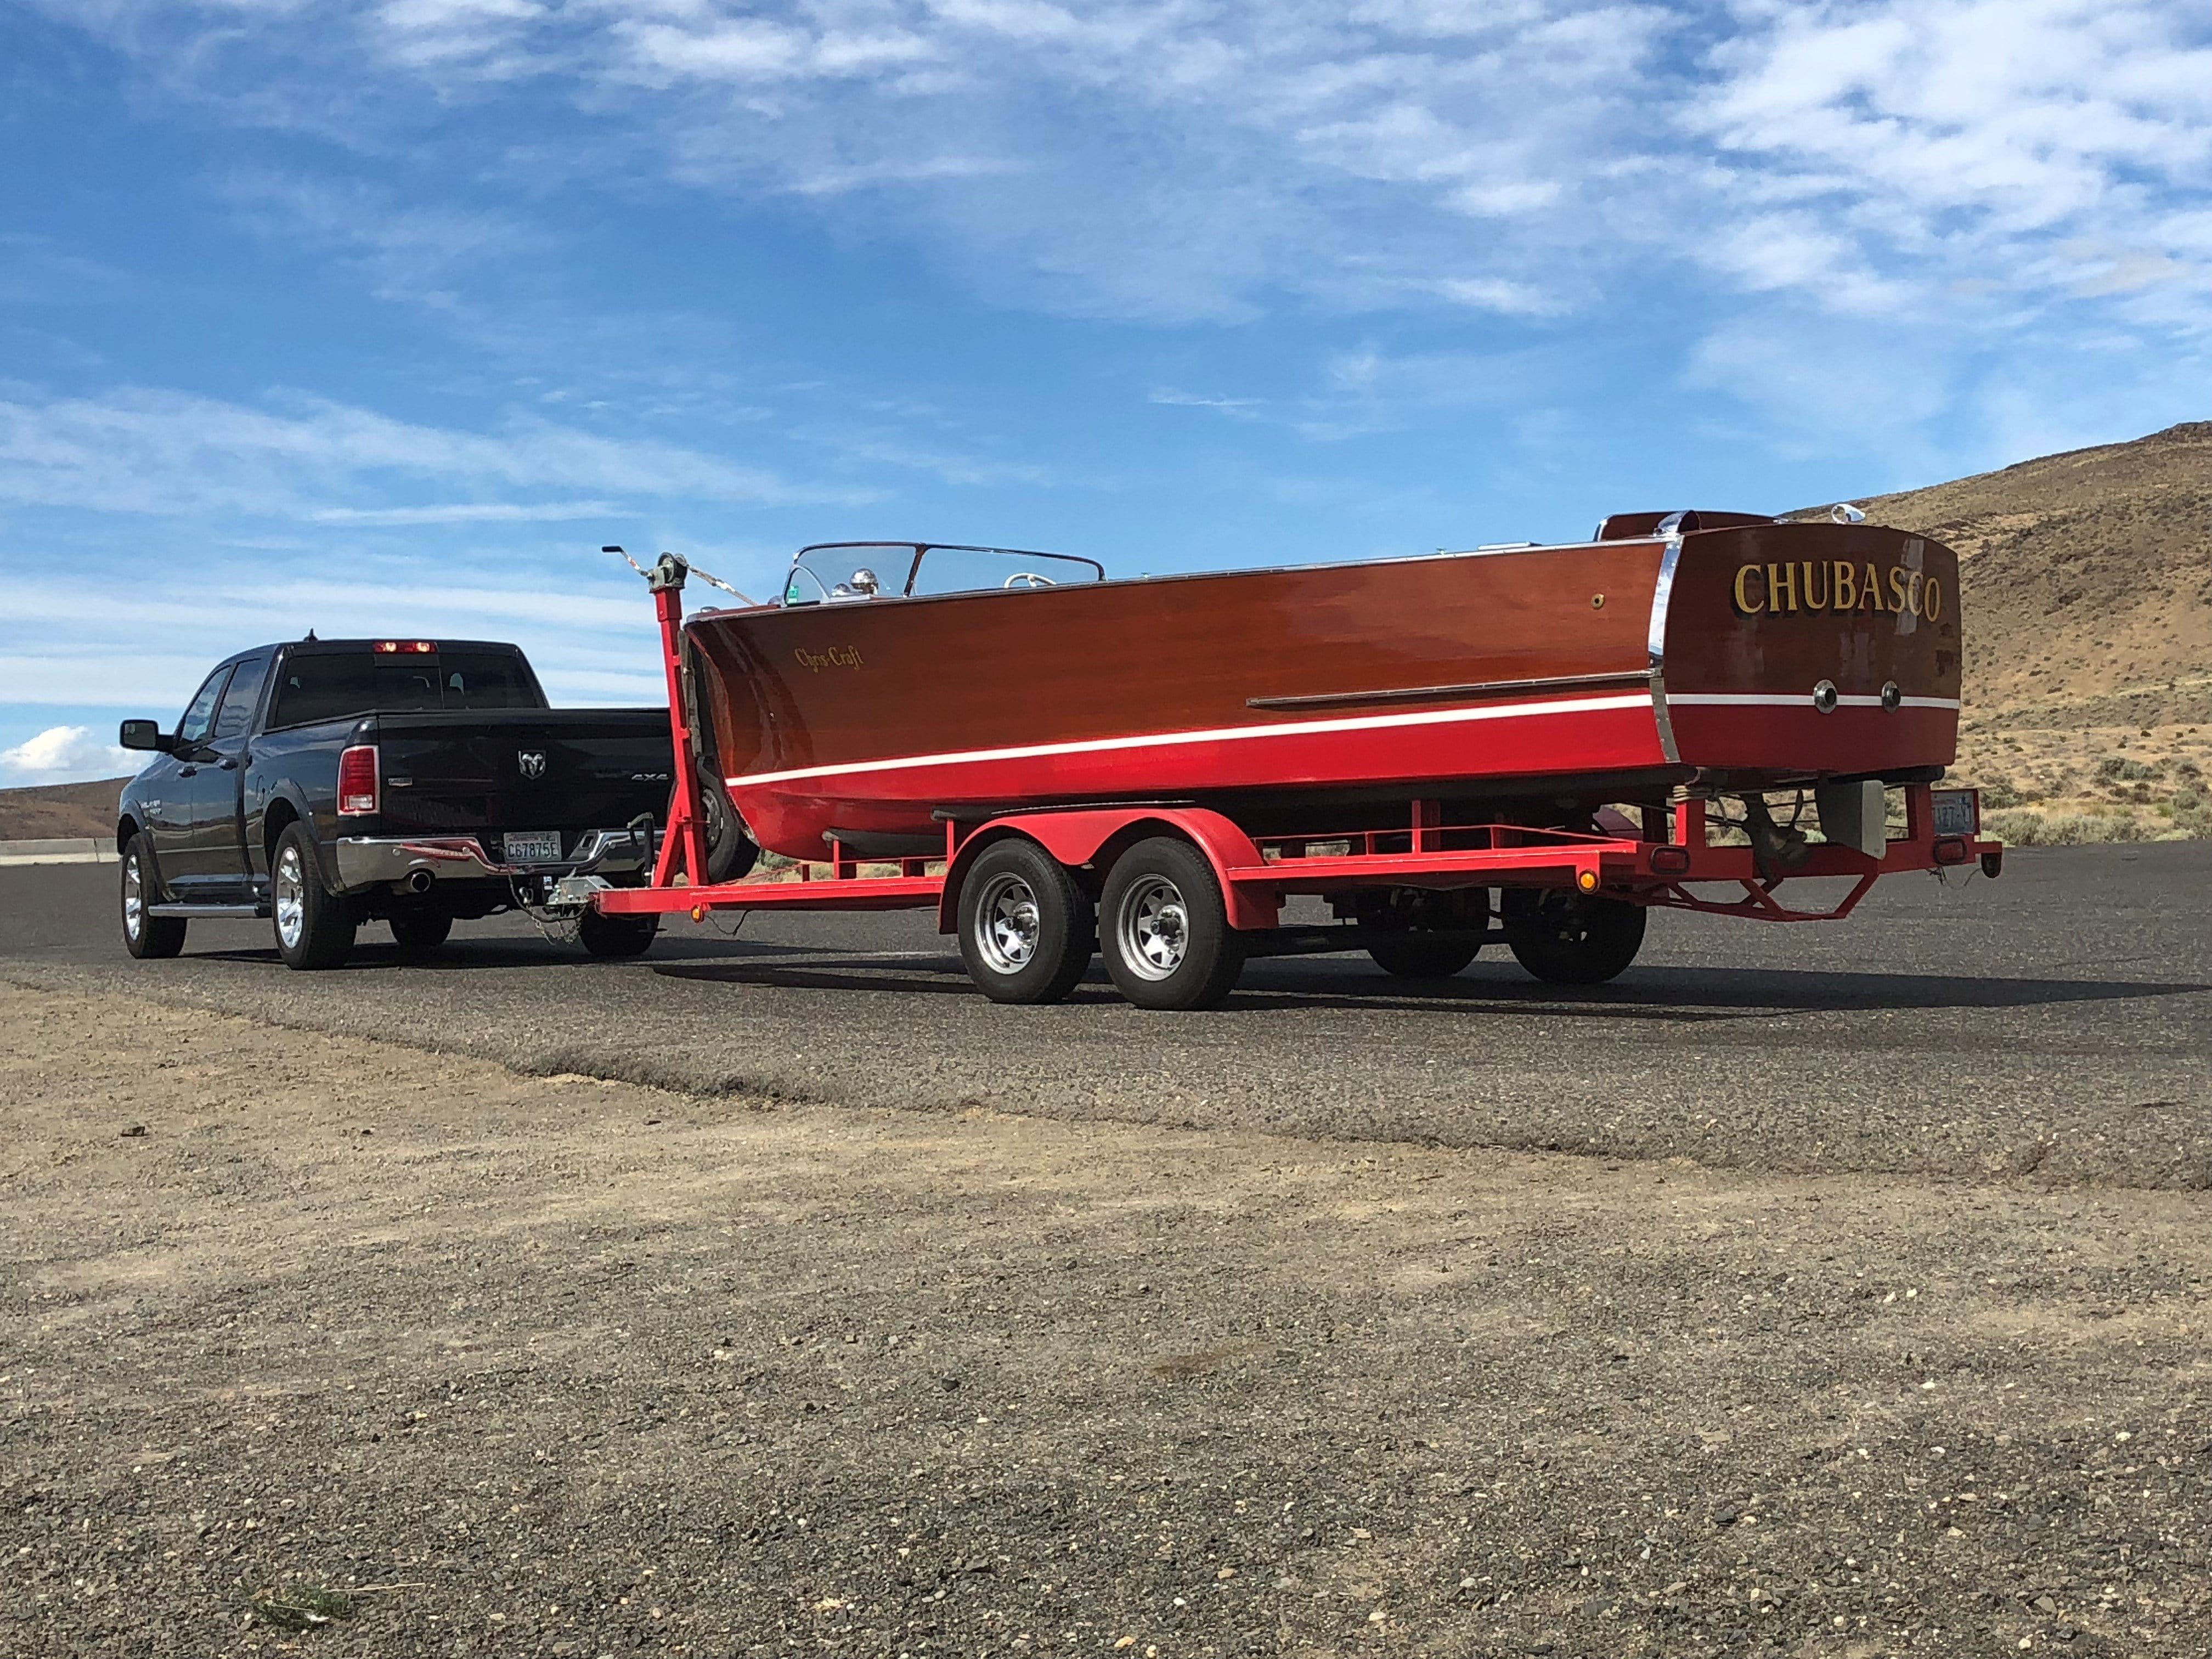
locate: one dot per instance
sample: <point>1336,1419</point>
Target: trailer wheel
<point>608,937</point>
<point>146,936</point>
<point>315,928</point>
<point>1571,938</point>
<point>1026,929</point>
<point>1165,930</point>
<point>1422,956</point>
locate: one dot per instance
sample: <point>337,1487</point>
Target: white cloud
<point>1166,159</point>
<point>65,754</point>
<point>466,513</point>
<point>167,453</point>
<point>1975,177</point>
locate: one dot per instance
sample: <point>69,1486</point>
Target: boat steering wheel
<point>1027,578</point>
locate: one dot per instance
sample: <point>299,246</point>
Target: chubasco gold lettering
<point>837,656</point>
<point>1835,585</point>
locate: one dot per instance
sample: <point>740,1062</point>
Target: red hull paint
<point>1597,734</point>
<point>1777,739</point>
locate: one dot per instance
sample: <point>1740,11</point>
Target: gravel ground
<point>564,1366</point>
<point>2057,1021</point>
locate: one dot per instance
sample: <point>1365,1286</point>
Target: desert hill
<point>2086,588</point>
<point>55,811</point>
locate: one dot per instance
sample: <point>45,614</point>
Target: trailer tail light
<point>1670,861</point>
<point>357,781</point>
<point>1952,849</point>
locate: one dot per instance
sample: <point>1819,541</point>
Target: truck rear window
<point>331,685</point>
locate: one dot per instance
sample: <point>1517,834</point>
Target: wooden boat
<point>1521,684</point>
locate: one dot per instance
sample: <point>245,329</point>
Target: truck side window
<point>237,711</point>
<point>200,717</point>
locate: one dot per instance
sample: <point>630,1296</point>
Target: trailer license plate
<point>1957,811</point>
<point>534,847</point>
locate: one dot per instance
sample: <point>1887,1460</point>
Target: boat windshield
<point>837,572</point>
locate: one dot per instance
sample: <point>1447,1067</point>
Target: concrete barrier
<point>84,850</point>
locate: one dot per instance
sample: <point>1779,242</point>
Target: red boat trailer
<point>1654,867</point>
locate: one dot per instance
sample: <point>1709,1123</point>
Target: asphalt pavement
<point>2055,1024</point>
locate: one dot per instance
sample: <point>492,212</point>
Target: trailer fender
<point>1077,837</point>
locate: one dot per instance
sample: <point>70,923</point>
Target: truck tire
<point>418,932</point>
<point>1572,939</point>
<point>1163,929</point>
<point>146,936</point>
<point>314,926</point>
<point>1026,929</point>
<point>612,938</point>
<point>1423,955</point>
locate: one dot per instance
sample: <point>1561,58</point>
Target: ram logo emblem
<point>532,761</point>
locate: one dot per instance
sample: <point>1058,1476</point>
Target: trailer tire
<point>612,938</point>
<point>314,927</point>
<point>1163,929</point>
<point>146,936</point>
<point>1423,955</point>
<point>1026,929</point>
<point>1572,939</point>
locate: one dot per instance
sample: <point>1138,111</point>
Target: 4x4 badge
<point>532,761</point>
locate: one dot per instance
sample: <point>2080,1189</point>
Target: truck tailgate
<point>565,770</point>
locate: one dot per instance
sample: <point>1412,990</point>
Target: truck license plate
<point>1957,811</point>
<point>533,847</point>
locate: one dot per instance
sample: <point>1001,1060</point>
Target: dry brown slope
<point>2087,590</point>
<point>54,811</point>
<point>2087,577</point>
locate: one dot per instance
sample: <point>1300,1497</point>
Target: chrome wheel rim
<point>1007,924</point>
<point>134,898</point>
<point>1154,927</point>
<point>291,899</point>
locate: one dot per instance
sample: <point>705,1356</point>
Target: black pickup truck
<point>326,783</point>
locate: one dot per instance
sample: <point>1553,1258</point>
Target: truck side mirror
<point>144,734</point>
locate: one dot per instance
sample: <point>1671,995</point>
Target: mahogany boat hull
<point>1561,678</point>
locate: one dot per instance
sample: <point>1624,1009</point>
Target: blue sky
<point>380,317</point>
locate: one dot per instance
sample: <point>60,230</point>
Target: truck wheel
<point>731,853</point>
<point>1422,956</point>
<point>418,932</point>
<point>1163,929</point>
<point>146,936</point>
<point>1026,929</point>
<point>314,926</point>
<point>1570,939</point>
<point>613,937</point>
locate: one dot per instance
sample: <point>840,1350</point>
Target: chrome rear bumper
<point>371,860</point>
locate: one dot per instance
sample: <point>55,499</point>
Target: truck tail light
<point>357,781</point>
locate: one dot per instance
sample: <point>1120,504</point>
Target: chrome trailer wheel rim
<point>134,897</point>
<point>291,898</point>
<point>1007,923</point>
<point>1154,926</point>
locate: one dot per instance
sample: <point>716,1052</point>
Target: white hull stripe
<point>1795,700</point>
<point>1220,734</point>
